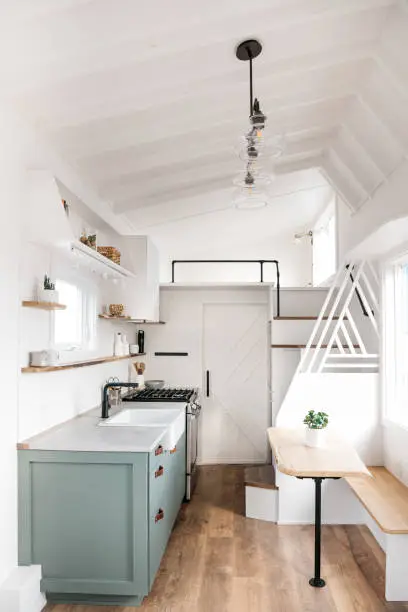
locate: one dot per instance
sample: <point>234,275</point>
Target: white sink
<point>143,417</point>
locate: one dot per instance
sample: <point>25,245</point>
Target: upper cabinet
<point>142,293</point>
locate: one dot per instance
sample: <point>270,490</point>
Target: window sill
<point>75,364</point>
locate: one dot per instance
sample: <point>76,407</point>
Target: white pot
<point>48,295</point>
<point>315,438</point>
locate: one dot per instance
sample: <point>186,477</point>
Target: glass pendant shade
<point>250,199</point>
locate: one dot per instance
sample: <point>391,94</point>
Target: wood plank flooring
<point>219,561</point>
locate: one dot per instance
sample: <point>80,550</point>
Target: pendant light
<point>253,145</point>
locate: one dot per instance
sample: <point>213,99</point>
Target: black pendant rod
<point>251,88</point>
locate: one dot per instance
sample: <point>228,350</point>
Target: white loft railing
<point>339,337</point>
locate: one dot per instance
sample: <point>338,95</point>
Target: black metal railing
<point>360,299</point>
<point>261,263</point>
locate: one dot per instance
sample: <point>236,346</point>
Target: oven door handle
<point>207,383</point>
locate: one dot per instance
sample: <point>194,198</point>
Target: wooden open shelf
<point>307,318</point>
<point>313,346</point>
<point>43,305</point>
<point>114,318</point>
<point>76,364</point>
<point>146,322</point>
<point>130,320</point>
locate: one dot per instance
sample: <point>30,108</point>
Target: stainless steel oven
<point>193,418</point>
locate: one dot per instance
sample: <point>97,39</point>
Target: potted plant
<point>48,293</point>
<point>316,423</point>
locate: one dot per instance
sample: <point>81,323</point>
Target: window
<point>396,340</point>
<point>74,328</point>
<point>325,247</point>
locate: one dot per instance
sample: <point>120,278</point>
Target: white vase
<point>140,380</point>
<point>48,295</point>
<point>315,438</point>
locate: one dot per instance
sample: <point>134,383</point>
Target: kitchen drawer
<point>159,477</point>
<point>157,456</point>
<point>158,537</point>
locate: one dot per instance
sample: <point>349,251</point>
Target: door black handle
<point>208,383</point>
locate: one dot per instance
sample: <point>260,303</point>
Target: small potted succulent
<point>47,292</point>
<point>316,423</point>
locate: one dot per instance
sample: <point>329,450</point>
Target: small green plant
<point>48,285</point>
<point>316,420</point>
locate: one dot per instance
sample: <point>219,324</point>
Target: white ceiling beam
<point>220,157</point>
<point>362,150</point>
<point>121,134</point>
<point>113,166</point>
<point>358,163</point>
<point>337,74</point>
<point>40,57</point>
<point>336,180</point>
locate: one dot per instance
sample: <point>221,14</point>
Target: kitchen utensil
<point>116,310</point>
<point>154,384</point>
<point>141,340</point>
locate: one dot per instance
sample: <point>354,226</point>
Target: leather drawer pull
<point>159,516</point>
<point>159,450</point>
<point>159,472</point>
<point>173,450</point>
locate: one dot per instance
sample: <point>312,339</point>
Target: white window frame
<point>322,226</point>
<point>88,325</point>
<point>395,405</point>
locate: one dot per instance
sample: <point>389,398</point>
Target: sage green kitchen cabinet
<point>98,522</point>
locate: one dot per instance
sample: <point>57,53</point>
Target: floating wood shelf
<point>76,364</point>
<point>311,318</point>
<point>114,318</point>
<point>43,305</point>
<point>313,346</point>
<point>126,319</point>
<point>146,322</point>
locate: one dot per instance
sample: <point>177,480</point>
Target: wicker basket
<point>116,310</point>
<point>111,253</point>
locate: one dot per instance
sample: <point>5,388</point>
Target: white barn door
<point>236,411</point>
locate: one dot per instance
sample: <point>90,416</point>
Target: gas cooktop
<point>161,395</point>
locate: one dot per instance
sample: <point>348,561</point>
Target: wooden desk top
<point>336,460</point>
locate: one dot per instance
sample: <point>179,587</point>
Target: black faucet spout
<point>105,399</point>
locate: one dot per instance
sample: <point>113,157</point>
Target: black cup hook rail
<point>261,262</point>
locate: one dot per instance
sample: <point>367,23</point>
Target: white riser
<point>261,504</point>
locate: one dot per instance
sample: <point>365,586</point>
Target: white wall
<point>295,261</point>
<point>11,183</point>
<point>47,399</point>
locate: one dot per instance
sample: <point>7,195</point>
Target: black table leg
<point>317,581</point>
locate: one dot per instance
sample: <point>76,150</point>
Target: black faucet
<point>105,400</point>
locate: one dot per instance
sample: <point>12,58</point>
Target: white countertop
<point>84,434</point>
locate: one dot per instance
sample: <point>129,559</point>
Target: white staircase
<point>340,340</point>
<point>329,362</point>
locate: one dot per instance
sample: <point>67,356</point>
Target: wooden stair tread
<point>301,346</point>
<point>305,318</point>
<point>384,497</point>
<point>261,476</point>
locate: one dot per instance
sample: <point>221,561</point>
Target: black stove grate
<point>160,395</point>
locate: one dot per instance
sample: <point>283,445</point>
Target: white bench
<point>386,500</point>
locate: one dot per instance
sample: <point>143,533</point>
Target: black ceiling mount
<point>248,49</point>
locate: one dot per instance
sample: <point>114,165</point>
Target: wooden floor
<point>219,561</point>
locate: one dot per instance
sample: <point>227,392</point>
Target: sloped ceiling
<point>146,100</point>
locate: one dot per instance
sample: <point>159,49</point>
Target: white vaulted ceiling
<point>146,100</point>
